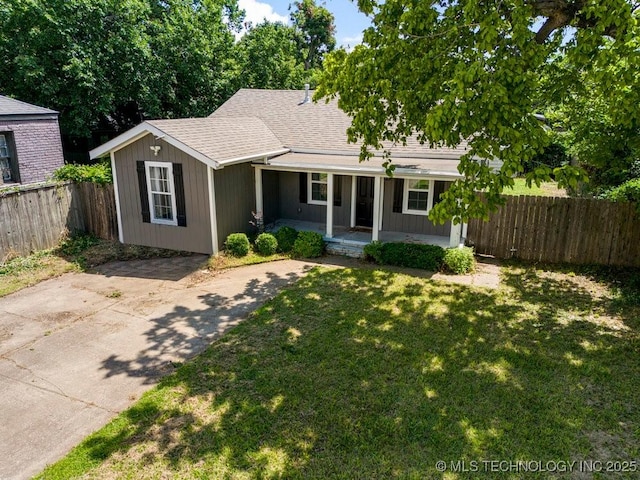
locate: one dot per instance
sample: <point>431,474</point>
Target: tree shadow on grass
<point>360,373</point>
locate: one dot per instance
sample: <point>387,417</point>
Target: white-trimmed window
<point>418,196</point>
<point>162,193</point>
<point>318,188</point>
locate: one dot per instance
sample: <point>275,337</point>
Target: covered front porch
<point>357,236</point>
<point>353,205</point>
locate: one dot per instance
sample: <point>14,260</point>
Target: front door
<point>364,202</point>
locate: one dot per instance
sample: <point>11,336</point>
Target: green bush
<point>414,255</point>
<point>266,244</point>
<point>627,192</point>
<point>373,251</point>
<point>308,245</point>
<point>459,260</point>
<point>237,244</point>
<point>99,173</point>
<point>286,237</point>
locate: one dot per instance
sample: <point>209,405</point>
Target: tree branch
<point>559,13</point>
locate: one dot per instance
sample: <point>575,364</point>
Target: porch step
<point>348,250</point>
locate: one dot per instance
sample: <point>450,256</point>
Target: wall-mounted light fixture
<point>155,149</point>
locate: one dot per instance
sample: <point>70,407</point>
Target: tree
<point>314,32</point>
<point>451,71</point>
<point>108,64</point>
<point>80,57</point>
<point>269,57</point>
<point>195,68</point>
<point>607,149</point>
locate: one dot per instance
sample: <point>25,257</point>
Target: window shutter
<point>337,191</point>
<point>144,193</point>
<point>398,191</point>
<point>178,183</point>
<point>303,187</point>
<point>438,189</point>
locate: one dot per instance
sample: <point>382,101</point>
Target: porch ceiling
<point>445,167</point>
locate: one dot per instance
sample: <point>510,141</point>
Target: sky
<point>350,22</point>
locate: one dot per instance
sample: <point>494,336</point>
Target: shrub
<point>373,251</point>
<point>266,244</point>
<point>459,260</point>
<point>413,255</point>
<point>627,192</point>
<point>78,243</point>
<point>99,173</point>
<point>308,245</point>
<point>286,237</point>
<point>237,244</point>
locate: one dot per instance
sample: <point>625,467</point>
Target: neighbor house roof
<point>312,125</point>
<point>9,106</point>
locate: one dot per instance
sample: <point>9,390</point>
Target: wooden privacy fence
<point>552,229</point>
<point>35,218</point>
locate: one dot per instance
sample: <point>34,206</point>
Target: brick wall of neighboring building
<point>37,145</point>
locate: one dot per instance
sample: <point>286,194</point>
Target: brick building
<point>30,144</point>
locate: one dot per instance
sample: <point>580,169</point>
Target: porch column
<point>329,232</point>
<point>259,200</point>
<point>354,186</point>
<point>381,205</point>
<point>376,209</point>
<point>456,234</point>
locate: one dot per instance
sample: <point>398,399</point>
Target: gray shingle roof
<point>9,106</point>
<point>319,126</point>
<point>222,139</point>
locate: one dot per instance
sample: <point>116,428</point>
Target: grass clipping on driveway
<point>372,374</point>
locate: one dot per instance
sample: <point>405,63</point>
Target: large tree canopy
<point>455,71</point>
<point>314,32</point>
<point>109,63</point>
<point>269,57</point>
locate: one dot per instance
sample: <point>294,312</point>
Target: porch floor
<point>359,236</point>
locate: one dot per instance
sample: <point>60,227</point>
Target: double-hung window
<point>5,160</point>
<point>418,196</point>
<point>162,193</point>
<point>318,188</point>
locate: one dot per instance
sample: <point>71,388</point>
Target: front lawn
<point>372,374</point>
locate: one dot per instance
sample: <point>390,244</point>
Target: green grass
<point>546,189</point>
<point>223,261</point>
<point>372,374</point>
<point>20,272</point>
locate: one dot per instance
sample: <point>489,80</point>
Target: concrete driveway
<point>77,350</point>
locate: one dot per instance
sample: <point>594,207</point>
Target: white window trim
<point>4,145</point>
<point>169,167</point>
<point>310,182</point>
<point>405,198</point>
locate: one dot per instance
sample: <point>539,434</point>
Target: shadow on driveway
<point>78,349</point>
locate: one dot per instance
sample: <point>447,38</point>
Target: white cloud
<point>350,42</point>
<point>256,12</point>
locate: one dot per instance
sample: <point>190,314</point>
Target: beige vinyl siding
<point>196,236</point>
<point>291,208</point>
<point>400,222</point>
<point>235,199</point>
